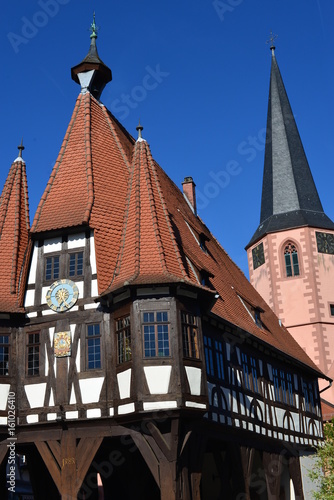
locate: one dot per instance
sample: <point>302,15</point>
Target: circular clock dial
<point>62,295</point>
<point>325,243</point>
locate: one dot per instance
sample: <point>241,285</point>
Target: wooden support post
<point>296,476</point>
<point>159,451</point>
<point>247,463</point>
<point>191,461</point>
<point>272,464</point>
<point>68,462</point>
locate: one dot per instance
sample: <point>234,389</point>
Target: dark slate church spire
<point>92,74</point>
<point>289,196</point>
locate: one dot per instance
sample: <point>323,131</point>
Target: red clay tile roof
<point>149,252</point>
<point>144,229</point>
<point>14,234</point>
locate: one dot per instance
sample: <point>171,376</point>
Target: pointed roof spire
<point>92,74</point>
<point>139,128</point>
<point>289,196</point>
<point>20,148</point>
<point>14,237</point>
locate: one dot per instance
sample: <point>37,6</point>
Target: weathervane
<point>93,28</point>
<point>271,40</point>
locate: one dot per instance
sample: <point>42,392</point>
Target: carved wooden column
<point>160,450</point>
<point>190,466</point>
<point>247,463</point>
<point>272,464</point>
<point>67,461</point>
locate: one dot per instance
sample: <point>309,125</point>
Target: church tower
<point>291,254</point>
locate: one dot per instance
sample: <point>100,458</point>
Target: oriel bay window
<point>33,353</point>
<point>93,347</point>
<point>156,341</point>
<point>4,355</point>
<point>123,335</point>
<point>189,335</point>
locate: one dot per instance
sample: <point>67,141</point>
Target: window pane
<point>48,269</point>
<point>72,264</point>
<point>295,263</point>
<point>4,354</point>
<point>149,341</point>
<point>288,264</point>
<point>148,317</point>
<point>93,344</point>
<point>123,335</point>
<point>76,264</point>
<point>55,267</point>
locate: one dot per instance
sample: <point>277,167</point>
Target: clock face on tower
<point>62,295</point>
<point>258,256</point>
<point>325,242</point>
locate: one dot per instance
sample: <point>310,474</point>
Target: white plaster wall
<point>33,265</point>
<point>76,241</point>
<point>32,419</point>
<point>91,389</point>
<point>157,378</point>
<point>4,391</point>
<point>194,376</point>
<point>35,394</point>
<point>94,413</point>
<point>29,299</point>
<point>92,254</point>
<point>52,245</point>
<point>124,383</point>
<point>128,408</point>
<point>161,405</point>
<point>77,359</point>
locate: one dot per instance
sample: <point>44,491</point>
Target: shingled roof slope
<point>289,196</point>
<point>14,236</point>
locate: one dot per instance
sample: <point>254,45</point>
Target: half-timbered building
<point>139,360</point>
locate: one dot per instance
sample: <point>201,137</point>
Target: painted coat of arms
<point>62,344</point>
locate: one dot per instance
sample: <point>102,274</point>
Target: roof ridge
<point>16,230</point>
<point>5,196</point>
<point>115,135</point>
<point>58,163</point>
<point>131,186</point>
<point>142,145</point>
<point>88,155</point>
<point>164,207</point>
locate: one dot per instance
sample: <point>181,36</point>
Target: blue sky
<point>204,106</point>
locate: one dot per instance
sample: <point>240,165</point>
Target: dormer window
<point>291,260</point>
<point>253,311</point>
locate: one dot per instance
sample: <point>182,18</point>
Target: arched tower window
<point>291,260</point>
